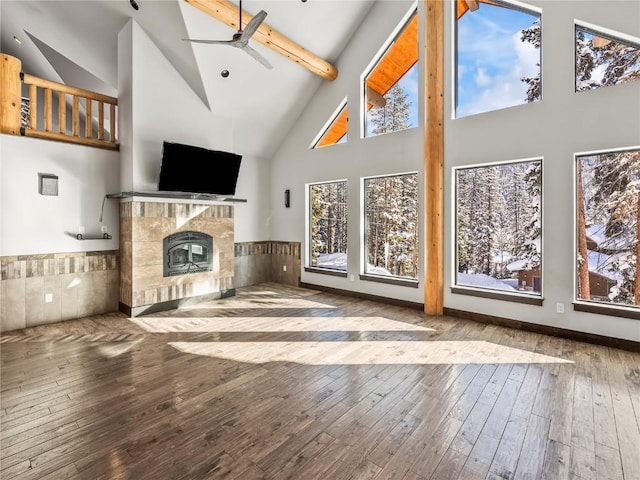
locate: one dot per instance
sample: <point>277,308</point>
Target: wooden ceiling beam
<point>228,13</point>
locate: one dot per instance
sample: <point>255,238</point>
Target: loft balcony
<point>34,107</point>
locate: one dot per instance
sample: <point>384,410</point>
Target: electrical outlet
<point>352,277</point>
<point>103,229</point>
<point>48,297</point>
<point>284,268</point>
<point>560,307</point>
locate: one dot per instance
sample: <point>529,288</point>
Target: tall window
<point>608,232</point>
<point>328,225</point>
<point>335,130</point>
<point>604,59</point>
<point>391,225</point>
<point>391,84</point>
<point>499,227</point>
<point>497,50</point>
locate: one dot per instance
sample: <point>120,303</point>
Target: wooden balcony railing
<point>20,116</point>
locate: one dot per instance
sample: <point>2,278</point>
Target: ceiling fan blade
<point>253,24</point>
<point>224,42</point>
<point>257,56</point>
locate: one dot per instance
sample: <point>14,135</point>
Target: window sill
<point>402,282</point>
<point>495,295</point>
<point>601,309</point>
<point>326,271</point>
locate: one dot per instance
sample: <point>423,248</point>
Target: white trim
<point>454,224</point>
<point>613,35</point>
<point>576,300</point>
<point>374,62</point>
<point>332,118</point>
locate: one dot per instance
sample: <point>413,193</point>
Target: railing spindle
<point>100,120</point>
<point>33,107</point>
<point>76,116</point>
<point>89,120</point>
<point>47,109</point>
<point>112,125</point>
<point>62,108</point>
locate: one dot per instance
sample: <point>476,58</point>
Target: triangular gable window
<point>391,84</point>
<point>335,130</point>
<point>605,58</point>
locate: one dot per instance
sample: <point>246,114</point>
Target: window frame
<point>308,230</point>
<point>327,126</point>
<point>377,58</point>
<point>594,306</point>
<point>596,30</point>
<point>513,5</point>
<point>390,279</point>
<point>484,292</point>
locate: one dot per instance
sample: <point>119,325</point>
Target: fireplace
<point>174,253</point>
<point>187,252</point>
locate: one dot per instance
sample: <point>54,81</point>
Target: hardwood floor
<point>286,383</point>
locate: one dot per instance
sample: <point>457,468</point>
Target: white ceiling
<point>75,42</point>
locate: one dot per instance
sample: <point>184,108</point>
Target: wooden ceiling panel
<point>399,58</point>
<point>336,130</point>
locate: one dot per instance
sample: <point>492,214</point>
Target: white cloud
<point>482,79</point>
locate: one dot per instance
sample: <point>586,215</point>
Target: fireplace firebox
<point>187,252</point>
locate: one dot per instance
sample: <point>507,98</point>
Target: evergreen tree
<point>394,115</point>
<point>533,35</point>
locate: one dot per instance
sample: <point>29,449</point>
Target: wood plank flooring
<point>287,383</point>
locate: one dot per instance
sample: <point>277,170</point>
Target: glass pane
<point>391,226</point>
<point>608,186</point>
<point>602,61</point>
<point>497,58</point>
<point>499,227</point>
<point>328,245</point>
<point>391,87</point>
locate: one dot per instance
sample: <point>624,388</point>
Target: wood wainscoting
<point>283,382</point>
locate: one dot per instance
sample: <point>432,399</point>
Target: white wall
<point>563,123</point>
<point>31,223</point>
<point>157,105</point>
<point>294,165</point>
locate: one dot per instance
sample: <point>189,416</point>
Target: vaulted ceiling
<point>75,42</point>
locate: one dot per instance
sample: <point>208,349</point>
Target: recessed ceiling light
<point>224,73</point>
<point>17,40</point>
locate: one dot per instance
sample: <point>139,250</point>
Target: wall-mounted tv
<point>187,168</point>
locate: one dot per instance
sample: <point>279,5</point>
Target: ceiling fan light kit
<point>241,38</point>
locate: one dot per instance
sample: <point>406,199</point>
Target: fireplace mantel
<point>175,197</point>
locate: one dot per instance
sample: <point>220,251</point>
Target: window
<point>604,59</point>
<point>328,225</point>
<point>335,130</point>
<point>499,227</point>
<point>608,185</point>
<point>497,48</point>
<point>391,84</point>
<point>391,226</point>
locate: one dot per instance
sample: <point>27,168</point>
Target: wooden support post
<point>10,94</point>
<point>434,158</point>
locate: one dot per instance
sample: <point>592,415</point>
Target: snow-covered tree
<point>394,115</point>
<point>533,35</point>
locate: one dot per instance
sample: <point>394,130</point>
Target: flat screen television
<point>191,169</point>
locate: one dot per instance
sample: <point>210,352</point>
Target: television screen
<point>187,168</point>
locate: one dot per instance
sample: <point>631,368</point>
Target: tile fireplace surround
<point>143,227</point>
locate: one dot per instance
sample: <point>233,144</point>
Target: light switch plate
<point>48,184</point>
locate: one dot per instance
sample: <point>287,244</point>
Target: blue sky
<point>491,59</point>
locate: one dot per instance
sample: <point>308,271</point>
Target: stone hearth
<point>143,227</point>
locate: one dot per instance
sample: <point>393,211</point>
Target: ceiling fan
<point>241,37</point>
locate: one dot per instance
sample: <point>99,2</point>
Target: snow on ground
<point>485,281</point>
<point>334,261</point>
